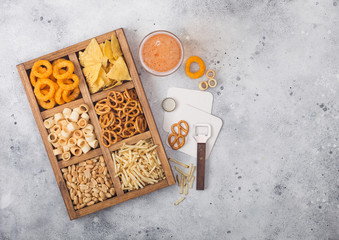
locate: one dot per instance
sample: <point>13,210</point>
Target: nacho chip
<point>95,87</point>
<point>119,71</point>
<point>92,54</point>
<point>91,73</point>
<point>115,47</point>
<point>107,51</point>
<point>103,76</point>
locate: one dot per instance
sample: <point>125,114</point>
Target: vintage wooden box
<point>89,99</point>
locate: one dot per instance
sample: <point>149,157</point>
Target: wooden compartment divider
<point>87,98</point>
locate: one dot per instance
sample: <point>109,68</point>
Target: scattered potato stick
<point>186,189</point>
<point>179,201</point>
<point>179,163</point>
<point>180,171</point>
<point>192,168</point>
<point>178,180</point>
<point>181,183</point>
<point>192,180</point>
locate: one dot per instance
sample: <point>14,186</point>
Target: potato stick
<point>181,183</point>
<point>178,180</point>
<point>191,172</point>
<point>183,173</point>
<point>179,163</point>
<point>186,189</point>
<point>179,201</point>
<point>191,184</point>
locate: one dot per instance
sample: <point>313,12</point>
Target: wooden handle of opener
<point>201,166</point>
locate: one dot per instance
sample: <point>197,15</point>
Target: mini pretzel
<point>120,116</point>
<point>179,131</point>
<point>108,138</point>
<point>140,124</point>
<point>106,119</point>
<point>176,141</point>
<point>182,128</point>
<point>114,98</point>
<point>102,107</point>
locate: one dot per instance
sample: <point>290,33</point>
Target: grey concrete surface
<point>274,171</point>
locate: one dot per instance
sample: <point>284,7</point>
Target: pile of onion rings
<point>54,83</point>
<point>120,116</point>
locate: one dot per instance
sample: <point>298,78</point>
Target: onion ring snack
<point>60,65</point>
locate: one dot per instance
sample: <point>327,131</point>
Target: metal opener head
<point>202,132</point>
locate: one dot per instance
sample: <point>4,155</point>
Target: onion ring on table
<point>58,96</point>
<point>106,119</point>
<point>108,138</point>
<point>37,66</point>
<point>101,107</point>
<point>201,70</point>
<point>40,84</point>
<point>210,74</point>
<point>212,82</point>
<point>140,124</point>
<point>203,85</point>
<point>70,95</point>
<point>114,98</point>
<point>50,103</point>
<point>60,65</point>
<point>69,86</point>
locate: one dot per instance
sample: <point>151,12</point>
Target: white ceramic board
<point>198,99</point>
<point>195,98</point>
<point>193,116</point>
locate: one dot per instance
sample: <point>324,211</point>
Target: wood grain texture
<point>66,51</point>
<point>87,98</point>
<point>43,132</point>
<point>131,140</point>
<point>116,200</point>
<point>145,106</point>
<point>95,122</point>
<point>50,112</point>
<point>74,160</point>
<point>201,166</point>
<point>103,94</point>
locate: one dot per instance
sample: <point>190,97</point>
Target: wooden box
<point>89,99</point>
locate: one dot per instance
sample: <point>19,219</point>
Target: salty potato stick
<point>191,172</point>
<point>183,173</point>
<point>179,201</point>
<point>179,163</point>
<point>181,183</point>
<point>192,180</point>
<point>178,180</point>
<point>186,189</point>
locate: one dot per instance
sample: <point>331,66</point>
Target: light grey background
<point>274,171</point>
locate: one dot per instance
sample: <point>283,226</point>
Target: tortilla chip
<point>115,47</point>
<point>92,54</point>
<point>119,71</point>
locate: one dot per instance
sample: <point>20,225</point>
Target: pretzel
<point>182,128</point>
<point>120,116</point>
<point>114,98</point>
<point>108,138</point>
<point>176,139</point>
<point>140,124</point>
<point>102,107</point>
<point>106,119</point>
